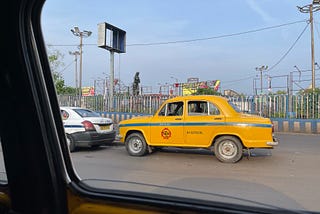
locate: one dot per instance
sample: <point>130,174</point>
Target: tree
<point>279,92</point>
<point>309,91</point>
<point>206,91</point>
<point>55,59</point>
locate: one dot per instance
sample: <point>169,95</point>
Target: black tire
<point>71,144</point>
<point>136,144</point>
<point>228,149</point>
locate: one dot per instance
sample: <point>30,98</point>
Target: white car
<point>86,128</point>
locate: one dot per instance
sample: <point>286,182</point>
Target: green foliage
<point>309,91</point>
<point>55,59</point>
<point>206,91</point>
<point>281,92</point>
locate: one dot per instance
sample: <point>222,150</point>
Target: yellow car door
<point>167,126</point>
<point>203,120</point>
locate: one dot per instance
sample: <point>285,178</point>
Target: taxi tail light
<point>88,126</point>
<point>272,128</point>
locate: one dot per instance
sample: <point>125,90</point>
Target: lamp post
<point>81,34</point>
<point>254,86</point>
<point>76,54</point>
<point>310,8</point>
<point>261,69</point>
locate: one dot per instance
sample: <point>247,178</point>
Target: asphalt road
<point>287,176</point>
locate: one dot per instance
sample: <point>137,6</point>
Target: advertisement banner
<point>88,91</point>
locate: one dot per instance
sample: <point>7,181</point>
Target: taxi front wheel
<point>136,144</point>
<point>228,149</point>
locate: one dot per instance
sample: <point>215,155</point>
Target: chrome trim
<point>273,143</point>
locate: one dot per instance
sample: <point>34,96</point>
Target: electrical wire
<point>200,39</point>
<point>216,37</point>
<point>317,29</point>
<point>288,51</point>
<point>67,66</point>
<point>279,61</point>
<point>238,80</point>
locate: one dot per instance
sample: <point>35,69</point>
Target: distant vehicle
<point>86,128</point>
<point>210,122</point>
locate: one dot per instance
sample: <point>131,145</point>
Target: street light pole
<point>76,54</point>
<point>261,69</point>
<point>310,8</point>
<point>81,34</point>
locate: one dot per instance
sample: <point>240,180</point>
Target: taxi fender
<point>227,134</point>
<point>137,130</point>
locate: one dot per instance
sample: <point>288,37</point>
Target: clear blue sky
<point>232,59</point>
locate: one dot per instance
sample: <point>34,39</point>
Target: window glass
<point>175,109</point>
<point>3,175</point>
<point>197,108</point>
<point>213,110</point>
<point>162,112</point>
<point>172,47</point>
<point>86,113</point>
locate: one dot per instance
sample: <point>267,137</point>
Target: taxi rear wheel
<point>71,143</point>
<point>228,149</point>
<point>136,144</point>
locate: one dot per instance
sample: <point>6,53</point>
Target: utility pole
<point>254,86</point>
<point>76,54</point>
<point>261,69</point>
<point>81,34</point>
<point>310,8</point>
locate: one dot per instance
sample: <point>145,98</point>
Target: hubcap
<point>135,145</point>
<point>228,149</point>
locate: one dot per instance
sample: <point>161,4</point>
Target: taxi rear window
<point>86,113</point>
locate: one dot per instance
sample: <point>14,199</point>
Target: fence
<point>272,106</point>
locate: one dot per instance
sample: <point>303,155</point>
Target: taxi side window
<point>196,108</point>
<point>213,110</point>
<point>64,115</point>
<point>162,112</point>
<point>172,109</point>
<point>175,109</point>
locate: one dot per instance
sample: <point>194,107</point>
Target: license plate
<point>104,127</point>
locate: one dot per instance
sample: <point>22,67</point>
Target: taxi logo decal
<point>166,133</point>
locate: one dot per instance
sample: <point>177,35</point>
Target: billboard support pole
<point>111,80</point>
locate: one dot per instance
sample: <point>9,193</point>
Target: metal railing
<point>273,106</point>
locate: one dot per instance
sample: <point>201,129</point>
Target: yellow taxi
<point>205,121</point>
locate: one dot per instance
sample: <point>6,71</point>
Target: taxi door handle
<point>218,118</point>
<point>178,119</point>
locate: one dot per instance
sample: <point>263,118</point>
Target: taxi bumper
<point>275,142</point>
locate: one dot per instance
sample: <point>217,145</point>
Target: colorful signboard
<point>87,91</point>
<point>190,88</point>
